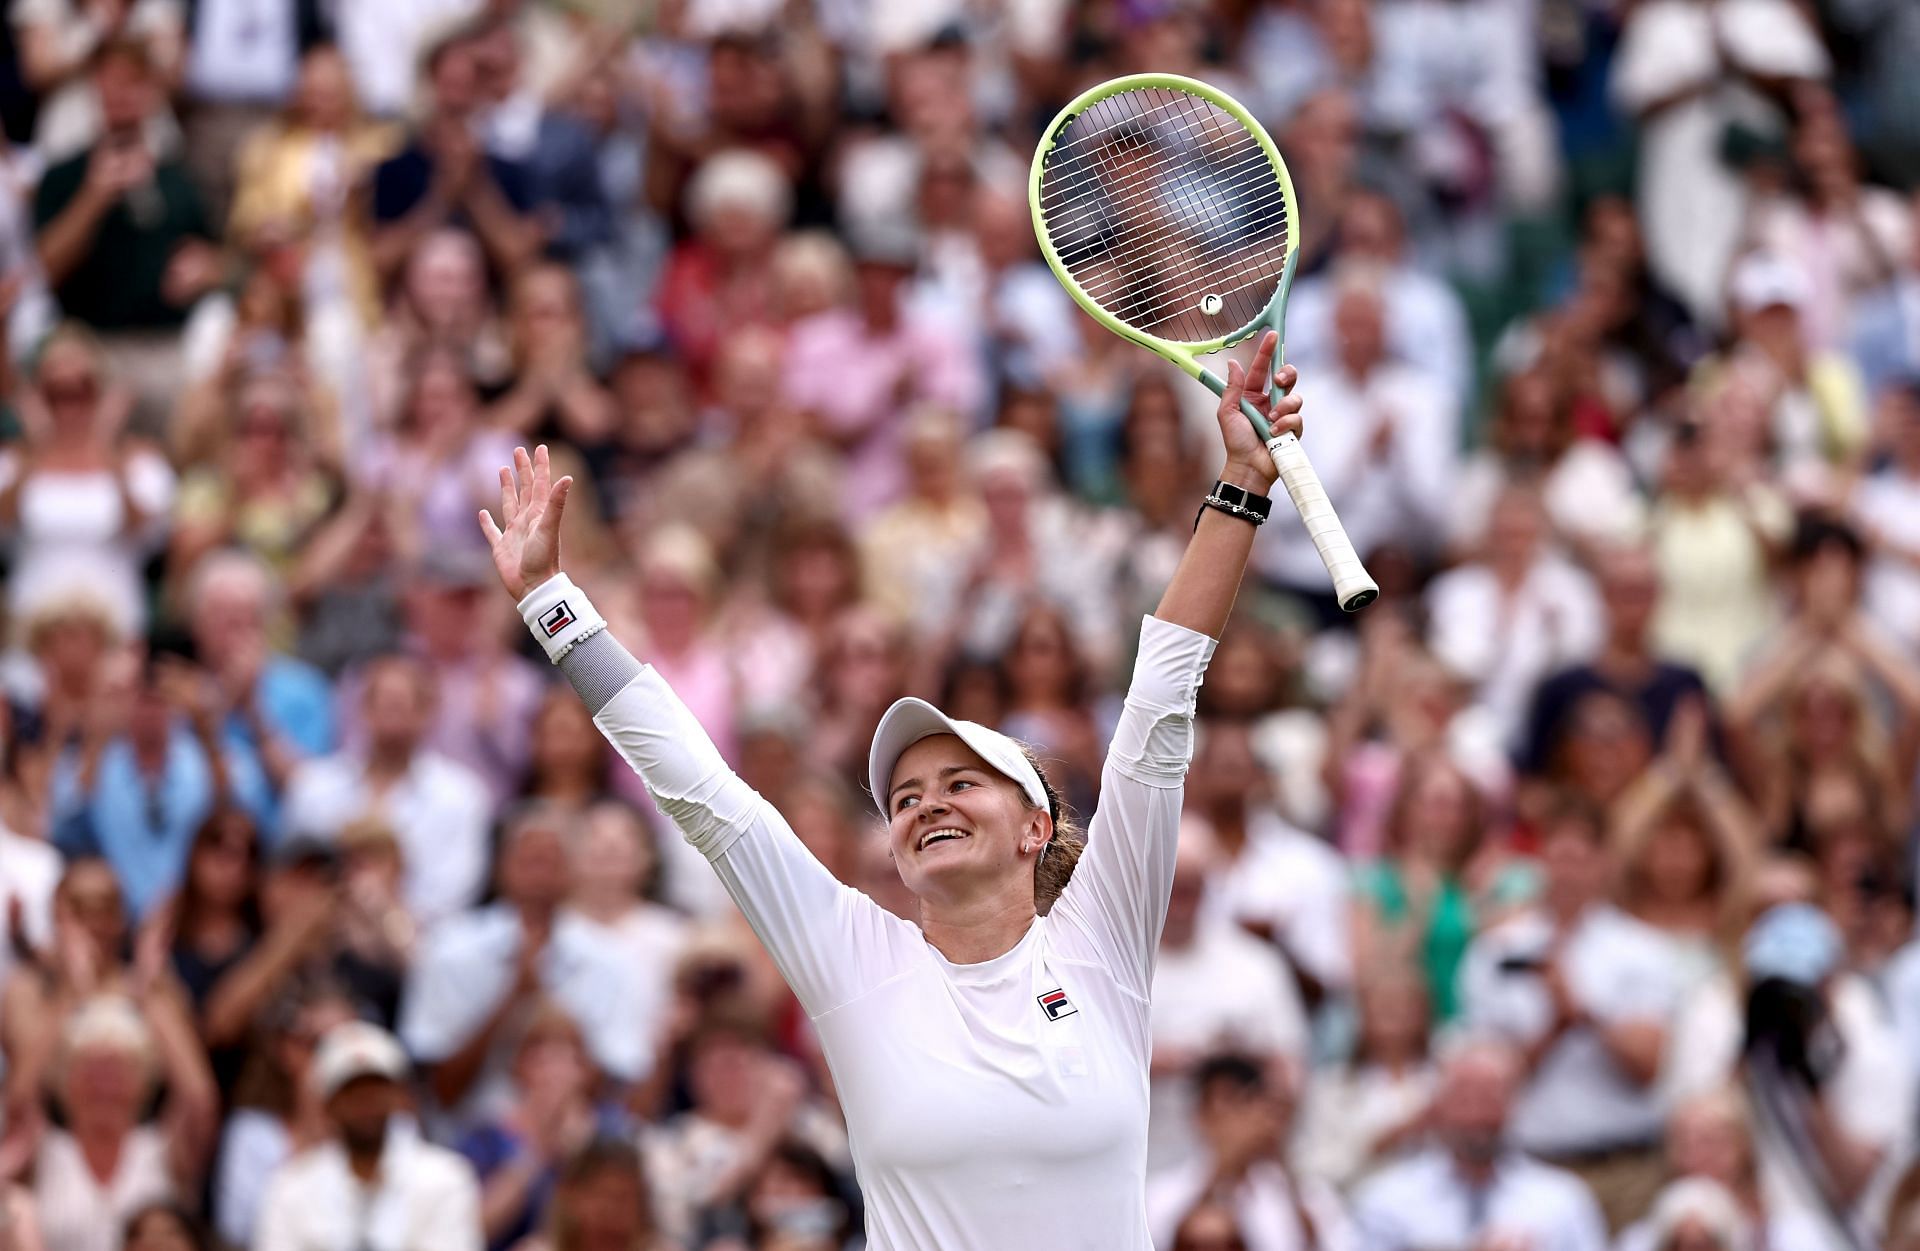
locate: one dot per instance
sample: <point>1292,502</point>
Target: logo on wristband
<point>556,618</point>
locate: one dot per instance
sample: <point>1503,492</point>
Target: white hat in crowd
<point>354,1049</point>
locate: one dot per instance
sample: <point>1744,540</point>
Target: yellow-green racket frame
<point>1352,586</point>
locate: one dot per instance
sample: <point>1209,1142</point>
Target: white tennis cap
<point>355,1049</point>
<point>1764,281</point>
<point>910,720</point>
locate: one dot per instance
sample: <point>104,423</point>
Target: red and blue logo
<point>1055,1004</point>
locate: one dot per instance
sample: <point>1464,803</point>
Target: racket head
<point>1166,211</point>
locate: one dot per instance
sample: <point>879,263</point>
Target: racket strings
<point>1085,186</point>
<point>1161,207</point>
<point>1147,293</point>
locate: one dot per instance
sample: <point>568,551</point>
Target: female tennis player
<point>992,1061</point>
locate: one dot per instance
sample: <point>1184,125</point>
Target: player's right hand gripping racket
<point>1166,212</point>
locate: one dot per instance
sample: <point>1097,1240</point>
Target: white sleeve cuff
<point>560,616</point>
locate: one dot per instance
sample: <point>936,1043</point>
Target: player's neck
<point>978,930</point>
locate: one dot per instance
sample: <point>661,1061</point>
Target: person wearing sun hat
<point>991,1054</point>
<point>375,1184</point>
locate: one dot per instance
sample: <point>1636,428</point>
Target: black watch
<point>1236,501</point>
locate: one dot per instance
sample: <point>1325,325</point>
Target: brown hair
<point>598,1156</point>
<point>1054,869</point>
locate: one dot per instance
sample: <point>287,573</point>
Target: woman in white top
<point>82,502</point>
<point>105,1165</point>
<point>991,1061</point>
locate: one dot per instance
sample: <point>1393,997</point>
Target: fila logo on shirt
<point>1054,1003</point>
<point>556,618</point>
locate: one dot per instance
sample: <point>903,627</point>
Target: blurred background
<point>1563,899</point>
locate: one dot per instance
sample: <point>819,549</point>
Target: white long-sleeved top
<point>980,1120</point>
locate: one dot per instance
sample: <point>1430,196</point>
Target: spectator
<point>1712,533</point>
<point>94,1173</point>
<point>437,806</point>
<point>237,69</point>
<point>909,357</point>
<point>554,394</point>
<point>939,517</point>
<point>165,1226</point>
<point>83,501</point>
<point>441,456</point>
<point>1587,995</point>
<point>277,709</point>
<point>151,767</point>
<point>1216,989</point>
<point>124,237</point>
<point>1885,505</point>
<point>373,1178</point>
<point>278,1110</point>
<point>214,921</point>
<point>1358,1115</point>
<point>1243,1112</point>
<point>441,302</point>
<point>601,1204</point>
<point>569,765</point>
<point>485,696</point>
<point>1474,1188</point>
<point>481,972</point>
<point>1861,230</point>
<point>1425,325</point>
<point>1688,73</point>
<point>1819,1062</point>
<point>1708,1141</point>
<point>1209,1227</point>
<point>1049,703</point>
<point>444,177</point>
<point>1387,460</point>
<point>294,196</point>
<point>1626,664</point>
<point>1585,482</point>
<point>552,1116</point>
<point>268,485</point>
<point>1281,883</point>
<point>1418,903</point>
<point>717,283</point>
<point>1802,722</point>
<point>615,879</point>
<point>1517,615</point>
<point>1884,340</point>
<point>746,1100</point>
<point>60,41</point>
<point>1685,845</point>
<point>1815,409</point>
<point>87,958</point>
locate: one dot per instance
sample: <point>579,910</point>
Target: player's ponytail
<point>1062,852</point>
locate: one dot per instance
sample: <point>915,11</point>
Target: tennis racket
<point>1166,212</point>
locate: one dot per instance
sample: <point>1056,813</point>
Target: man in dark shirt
<point>445,176</point>
<point>1626,665</point>
<point>122,233</point>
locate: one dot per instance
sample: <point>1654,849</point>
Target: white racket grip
<point>1351,585</point>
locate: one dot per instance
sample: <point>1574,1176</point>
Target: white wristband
<point>560,616</point>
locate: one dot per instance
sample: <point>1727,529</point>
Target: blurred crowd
<point>1562,900</point>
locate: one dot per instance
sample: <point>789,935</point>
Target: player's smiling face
<point>957,824</point>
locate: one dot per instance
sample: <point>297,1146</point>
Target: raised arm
<point>1204,585</point>
<point>830,942</point>
<point>1117,898</point>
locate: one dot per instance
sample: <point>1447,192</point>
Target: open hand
<point>527,552</point>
